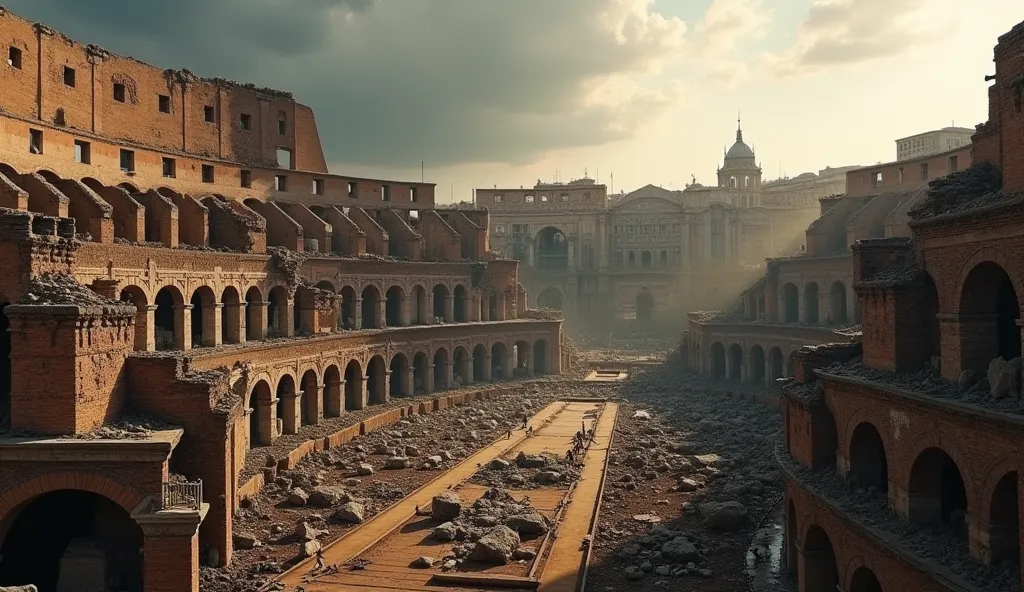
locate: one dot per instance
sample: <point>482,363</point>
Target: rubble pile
<point>527,471</point>
<point>61,289</point>
<point>490,530</point>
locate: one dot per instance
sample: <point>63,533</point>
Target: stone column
<point>312,399</point>
<point>488,360</point>
<point>256,316</point>
<point>170,548</point>
<point>428,379</point>
<point>449,374</point>
<point>358,312</point>
<point>529,363</point>
<point>767,371</point>
<point>339,313</point>
<point>288,326</point>
<point>728,365</point>
<point>485,309</point>
<point>145,328</point>
<point>387,385</point>
<point>361,393</point>
<point>502,309</point>
<point>268,425</point>
<point>381,312</point>
<point>405,311</point>
<point>407,386</point>
<point>430,306</point>
<point>292,412</point>
<point>334,398</point>
<point>235,317</point>
<point>474,309</point>
<point>182,327</point>
<point>212,324</point>
<point>449,309</point>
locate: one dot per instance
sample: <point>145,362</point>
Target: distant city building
<point>652,252</point>
<point>934,142</point>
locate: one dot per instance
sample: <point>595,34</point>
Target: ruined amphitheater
<point>226,369</point>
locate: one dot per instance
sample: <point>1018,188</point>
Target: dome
<point>739,150</point>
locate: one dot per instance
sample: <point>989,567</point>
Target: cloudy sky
<point>503,92</point>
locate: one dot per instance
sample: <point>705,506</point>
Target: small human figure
<point>508,436</point>
<point>524,421</point>
<point>319,559</point>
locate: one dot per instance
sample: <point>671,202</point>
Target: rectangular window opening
<point>281,183</point>
<point>14,57</point>
<point>208,173</point>
<point>170,168</point>
<point>128,161</point>
<point>318,186</point>
<point>385,193</point>
<point>924,171</point>
<point>245,121</point>
<point>282,123</point>
<point>209,114</point>
<point>284,159</point>
<point>413,195</point>
<point>82,152</point>
<point>69,76</point>
<point>165,104</point>
<point>246,179</point>
<point>35,141</point>
<point>353,190</point>
<point>954,164</point>
<point>119,92</point>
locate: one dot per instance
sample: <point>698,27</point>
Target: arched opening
<point>304,311</point>
<point>552,250</point>
<point>819,561</point>
<point>399,369</point>
<point>929,311</point>
<point>204,309</point>
<point>837,303</point>
<point>775,366</point>
<point>989,291</point>
<point>461,305</point>
<point>260,430</point>
<point>7,170</point>
<point>349,312</point>
<point>440,294</point>
<point>419,372</point>
<point>371,307</point>
<point>254,327</point>
<point>230,316</point>
<point>376,381</point>
<point>717,360</point>
<point>92,538</point>
<point>169,308</point>
<point>550,298</point>
<point>521,355</point>
<point>644,306</point>
<point>288,408</point>
<point>811,302</point>
<point>393,304</point>
<point>868,464</point>
<point>757,364</point>
<point>632,259</point>
<point>791,303</point>
<point>735,362</point>
<point>354,386</point>
<point>1004,523</point>
<point>277,312</point>
<point>440,369</point>
<point>310,398</point>
<point>937,493</point>
<point>540,357</point>
<point>332,404</point>
<point>790,535</point>
<point>864,580</point>
<point>645,260</point>
<point>480,363</point>
<point>421,314</point>
<point>129,294</point>
<point>461,372</point>
<point>492,307</point>
<point>129,188</point>
<point>499,359</point>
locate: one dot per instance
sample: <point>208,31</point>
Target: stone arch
<point>717,360</point>
<point>204,317</point>
<point>550,297</point>
<point>394,305</point>
<point>129,187</point>
<point>936,489</point>
<point>311,410</point>
<point>790,303</point>
<point>231,329</point>
<point>169,318</point>
<point>370,307</point>
<point>440,296</point>
<point>811,302</point>
<point>261,426</point>
<point>441,363</point>
<point>462,371</point>
<point>354,389</point>
<point>131,295</point>
<point>420,310</point>
<point>521,355</point>
<point>820,569</point>
<point>1004,519</point>
<point>460,303</point>
<point>350,313</point>
<point>333,403</point>
<point>863,579</point>
<point>304,311</point>
<point>277,312</point>
<point>399,367</point>
<point>327,286</point>
<point>420,369</point>
<point>757,364</point>
<point>776,366</point>
<point>255,329</point>
<point>288,407</point>
<point>8,171</point>
<point>868,462</point>
<point>838,312</point>
<point>499,361</point>
<point>540,357</point>
<point>646,259</point>
<point>376,381</point>
<point>735,366</point>
<point>988,295</point>
<point>480,362</point>
<point>552,249</point>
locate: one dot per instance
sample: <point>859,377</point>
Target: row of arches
<point>819,307</point>
<point>758,367</point>
<point>292,401</point>
<point>821,569</point>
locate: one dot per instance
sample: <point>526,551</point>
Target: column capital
<point>172,522</point>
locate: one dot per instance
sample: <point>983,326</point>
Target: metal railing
<point>182,494</point>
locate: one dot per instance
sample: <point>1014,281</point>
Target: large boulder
<point>1004,377</point>
<point>328,496</point>
<point>531,461</point>
<point>725,515</point>
<point>528,523</point>
<point>353,512</point>
<point>446,506</point>
<point>496,547</point>
<point>446,532</point>
<point>397,462</point>
<point>305,532</point>
<point>309,548</point>
<point>680,550</point>
<point>298,497</point>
